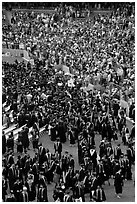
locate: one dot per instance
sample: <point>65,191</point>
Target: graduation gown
<point>99,195</point>
<point>24,197</point>
<point>42,194</point>
<point>31,191</point>
<point>118,183</point>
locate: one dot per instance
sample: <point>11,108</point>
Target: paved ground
<point>128,189</point>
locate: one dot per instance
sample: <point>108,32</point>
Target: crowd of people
<point>98,51</point>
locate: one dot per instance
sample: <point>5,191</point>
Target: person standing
<point>4,188</point>
<point>10,142</point>
<point>117,152</point>
<point>31,189</point>
<point>25,139</point>
<point>100,172</point>
<point>24,195</point>
<point>99,195</point>
<point>42,194</point>
<point>19,145</point>
<point>71,137</point>
<point>68,197</point>
<point>11,176</point>
<point>17,188</point>
<point>79,191</point>
<point>41,154</point>
<point>93,185</point>
<point>58,147</point>
<point>130,154</point>
<point>57,172</point>
<point>3,143</point>
<point>118,183</point>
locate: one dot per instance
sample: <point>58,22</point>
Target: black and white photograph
<point>68,101</point>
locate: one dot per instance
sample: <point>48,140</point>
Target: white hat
<point>24,188</point>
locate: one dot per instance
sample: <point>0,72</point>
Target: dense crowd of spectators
<point>98,51</point>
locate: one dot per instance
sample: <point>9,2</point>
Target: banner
<point>16,53</point>
<point>8,16</point>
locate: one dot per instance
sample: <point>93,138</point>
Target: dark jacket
<point>42,194</point>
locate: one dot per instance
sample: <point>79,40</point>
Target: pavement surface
<point>128,189</point>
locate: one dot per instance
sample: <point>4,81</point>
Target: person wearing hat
<point>24,195</point>
<point>58,147</point>
<point>58,193</point>
<point>99,195</point>
<point>27,165</point>
<point>10,158</point>
<point>79,191</point>
<point>100,172</point>
<point>65,163</point>
<point>109,150</point>
<point>10,142</point>
<point>57,172</point>
<point>93,185</point>
<point>35,171</point>
<point>132,133</point>
<point>41,153</point>
<point>116,108</point>
<point>102,148</point>
<point>42,180</point>
<point>86,182</point>
<point>61,131</point>
<point>71,162</point>
<point>8,119</point>
<point>71,137</point>
<point>17,188</point>
<point>4,188</point>
<point>19,146</point>
<point>11,176</point>
<point>116,166</point>
<point>130,154</point>
<point>104,129</point>
<point>31,189</point>
<point>93,157</point>
<point>122,165</point>
<point>80,152</point>
<point>68,177</point>
<point>118,183</point>
<point>117,152</point>
<point>42,194</point>
<point>25,139</point>
<point>82,172</point>
<point>128,172</point>
<point>53,132</point>
<point>67,196</point>
<point>34,139</point>
<point>4,141</point>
